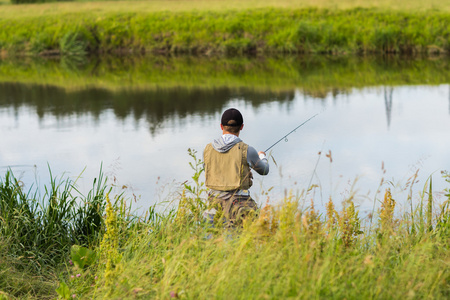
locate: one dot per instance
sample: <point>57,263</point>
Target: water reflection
<point>388,103</point>
<point>155,106</point>
<point>316,75</point>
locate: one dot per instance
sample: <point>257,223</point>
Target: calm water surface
<point>141,137</point>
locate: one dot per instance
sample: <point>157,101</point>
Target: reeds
<point>42,228</point>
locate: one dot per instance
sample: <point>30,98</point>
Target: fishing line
<point>285,137</point>
<point>17,166</point>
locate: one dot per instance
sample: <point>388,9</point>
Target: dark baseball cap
<point>230,115</point>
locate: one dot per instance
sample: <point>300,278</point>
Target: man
<point>227,170</point>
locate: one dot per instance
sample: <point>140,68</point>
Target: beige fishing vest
<point>227,171</point>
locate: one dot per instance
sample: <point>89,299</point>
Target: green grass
<point>289,251</point>
<point>18,280</point>
<point>41,224</point>
<point>261,30</point>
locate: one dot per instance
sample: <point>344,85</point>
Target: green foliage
<point>72,44</point>
<point>443,221</point>
<point>192,201</point>
<point>307,34</point>
<point>82,256</point>
<point>18,280</point>
<point>87,218</point>
<point>79,276</point>
<point>110,244</point>
<point>199,189</point>
<point>40,43</point>
<point>286,252</point>
<point>63,291</point>
<point>262,30</point>
<point>43,230</point>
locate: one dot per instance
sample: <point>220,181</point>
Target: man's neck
<point>226,132</point>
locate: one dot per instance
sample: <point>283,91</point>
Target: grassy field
<point>289,251</point>
<point>212,27</point>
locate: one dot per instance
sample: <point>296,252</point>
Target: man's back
<point>227,169</point>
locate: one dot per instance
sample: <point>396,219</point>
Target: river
<point>138,123</point>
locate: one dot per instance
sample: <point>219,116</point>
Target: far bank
<point>249,31</point>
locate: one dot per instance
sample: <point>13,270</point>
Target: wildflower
<point>96,277</point>
<point>387,212</point>
<point>78,275</point>
<point>71,276</point>
<point>349,223</point>
<point>331,215</point>
<point>183,207</point>
<point>368,260</point>
<point>311,220</point>
<point>74,296</point>
<point>173,294</point>
<point>70,262</point>
<point>110,243</point>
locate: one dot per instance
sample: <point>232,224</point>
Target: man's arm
<point>257,162</point>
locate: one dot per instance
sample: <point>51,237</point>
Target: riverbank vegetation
<point>44,30</point>
<point>289,250</point>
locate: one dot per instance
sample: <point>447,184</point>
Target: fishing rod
<point>285,137</point>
